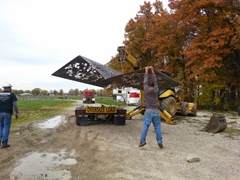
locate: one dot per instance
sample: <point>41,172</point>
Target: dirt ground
<point>104,151</point>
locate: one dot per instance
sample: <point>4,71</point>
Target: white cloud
<point>40,36</point>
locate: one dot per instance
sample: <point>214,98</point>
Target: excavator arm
<point>125,56</point>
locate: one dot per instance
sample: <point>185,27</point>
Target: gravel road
<point>102,151</point>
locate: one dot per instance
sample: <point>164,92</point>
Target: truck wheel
<point>239,110</point>
<point>169,104</point>
<point>91,117</point>
<point>77,123</point>
<point>110,117</point>
<point>184,108</point>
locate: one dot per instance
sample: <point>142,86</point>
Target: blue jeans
<point>151,116</point>
<point>5,124</point>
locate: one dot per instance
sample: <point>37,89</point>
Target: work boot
<point>7,146</point>
<point>160,145</point>
<point>142,144</point>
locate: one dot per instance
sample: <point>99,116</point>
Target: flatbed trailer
<point>86,115</point>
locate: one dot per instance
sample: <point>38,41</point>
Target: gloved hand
<point>17,115</point>
<point>146,69</point>
<point>151,69</point>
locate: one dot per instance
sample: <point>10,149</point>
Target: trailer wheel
<point>184,108</point>
<point>239,110</point>
<point>77,123</point>
<point>91,117</point>
<point>110,117</point>
<point>169,104</point>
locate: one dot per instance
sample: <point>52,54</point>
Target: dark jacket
<point>6,101</point>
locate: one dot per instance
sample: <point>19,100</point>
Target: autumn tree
<point>55,92</point>
<point>136,32</point>
<point>197,42</point>
<point>36,91</point>
<point>71,92</point>
<point>61,92</point>
<point>44,92</point>
<point>166,44</point>
<point>154,36</point>
<point>209,30</point>
<point>76,92</point>
<point>28,91</point>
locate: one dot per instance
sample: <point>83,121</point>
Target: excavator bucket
<point>135,79</point>
<point>84,70</point>
<point>216,124</point>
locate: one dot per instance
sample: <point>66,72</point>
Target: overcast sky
<point>37,37</point>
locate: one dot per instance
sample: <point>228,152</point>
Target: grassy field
<point>108,101</point>
<point>40,109</point>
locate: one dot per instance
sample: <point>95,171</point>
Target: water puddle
<point>44,166</point>
<point>52,123</point>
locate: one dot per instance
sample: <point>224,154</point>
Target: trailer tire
<point>77,123</point>
<point>91,117</point>
<point>184,108</point>
<point>110,117</point>
<point>169,104</point>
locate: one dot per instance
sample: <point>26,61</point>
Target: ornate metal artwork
<point>87,71</point>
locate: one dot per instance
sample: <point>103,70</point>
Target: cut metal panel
<point>135,79</point>
<point>84,70</point>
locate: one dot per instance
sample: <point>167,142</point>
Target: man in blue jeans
<point>151,114</point>
<point>8,100</point>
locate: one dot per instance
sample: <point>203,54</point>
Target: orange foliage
<point>197,41</point>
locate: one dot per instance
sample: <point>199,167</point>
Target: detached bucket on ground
<point>216,124</point>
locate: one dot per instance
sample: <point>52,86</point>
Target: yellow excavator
<point>169,103</point>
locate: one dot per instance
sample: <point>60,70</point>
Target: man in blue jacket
<point>8,101</point>
<point>151,114</point>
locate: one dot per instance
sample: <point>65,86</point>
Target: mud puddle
<point>44,166</point>
<point>52,123</point>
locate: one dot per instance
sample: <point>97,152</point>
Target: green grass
<point>231,132</point>
<point>40,109</point>
<point>108,101</point>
